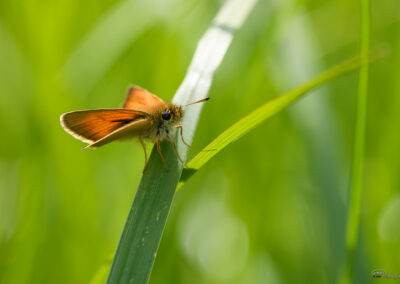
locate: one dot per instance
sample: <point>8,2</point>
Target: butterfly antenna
<point>199,101</point>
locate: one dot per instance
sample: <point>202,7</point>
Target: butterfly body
<point>142,115</point>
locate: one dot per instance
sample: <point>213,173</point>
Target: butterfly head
<point>171,114</point>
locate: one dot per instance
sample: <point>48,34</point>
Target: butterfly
<point>143,115</point>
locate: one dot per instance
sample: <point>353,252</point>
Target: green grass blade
<point>267,110</point>
<point>141,236</point>
<point>353,217</point>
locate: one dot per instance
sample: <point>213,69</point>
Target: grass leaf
<point>141,236</point>
<point>353,217</point>
<point>267,110</point>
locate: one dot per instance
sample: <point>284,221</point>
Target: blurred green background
<point>271,208</point>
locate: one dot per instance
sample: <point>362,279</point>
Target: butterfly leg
<point>176,151</point>
<point>145,153</point>
<point>181,132</point>
<point>159,151</point>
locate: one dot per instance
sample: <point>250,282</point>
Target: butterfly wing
<point>142,100</point>
<point>135,128</point>
<point>101,126</point>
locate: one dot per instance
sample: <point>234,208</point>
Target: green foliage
<point>357,170</point>
<point>270,208</point>
<point>262,113</point>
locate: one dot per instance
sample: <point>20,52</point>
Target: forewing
<point>93,125</point>
<point>141,99</point>
<point>135,128</point>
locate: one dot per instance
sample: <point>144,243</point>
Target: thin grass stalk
<point>354,211</point>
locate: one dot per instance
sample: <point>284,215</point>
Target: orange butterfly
<point>142,115</point>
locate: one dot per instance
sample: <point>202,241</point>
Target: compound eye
<point>166,115</point>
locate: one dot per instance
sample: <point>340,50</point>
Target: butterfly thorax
<point>165,119</point>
